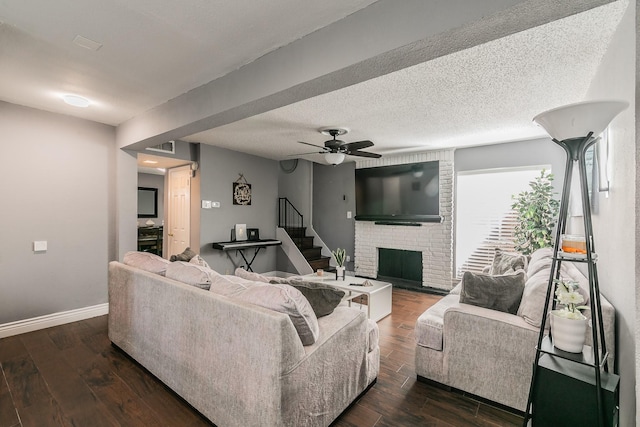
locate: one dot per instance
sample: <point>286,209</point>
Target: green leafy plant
<point>537,211</point>
<point>568,296</point>
<point>339,255</point>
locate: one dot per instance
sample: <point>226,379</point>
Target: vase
<point>340,273</point>
<point>568,334</point>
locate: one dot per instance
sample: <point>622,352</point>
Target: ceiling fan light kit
<point>335,150</point>
<point>334,158</point>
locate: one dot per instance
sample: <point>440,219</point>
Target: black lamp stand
<point>594,356</point>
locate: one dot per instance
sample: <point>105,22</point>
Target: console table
<point>242,246</point>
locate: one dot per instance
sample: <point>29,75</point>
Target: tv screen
<point>408,192</point>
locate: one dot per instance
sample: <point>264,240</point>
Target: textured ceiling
<point>485,94</point>
<point>152,50</point>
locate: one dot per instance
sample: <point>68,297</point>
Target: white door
<point>179,210</point>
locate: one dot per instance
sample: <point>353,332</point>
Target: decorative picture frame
<point>241,192</point>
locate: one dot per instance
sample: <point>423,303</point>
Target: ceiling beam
<point>385,37</point>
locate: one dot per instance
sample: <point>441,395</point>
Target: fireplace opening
<point>400,267</point>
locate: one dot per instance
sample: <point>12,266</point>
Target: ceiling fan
<point>335,150</point>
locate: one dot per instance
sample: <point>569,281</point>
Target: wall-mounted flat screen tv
<point>399,193</point>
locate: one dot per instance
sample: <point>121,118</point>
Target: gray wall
<point>219,168</point>
<point>615,241</point>
<point>297,187</point>
<point>57,184</point>
<point>153,181</point>
<point>514,154</point>
<point>333,195</point>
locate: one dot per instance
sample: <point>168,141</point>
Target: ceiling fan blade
<point>313,145</point>
<point>364,154</point>
<point>305,154</point>
<point>358,145</point>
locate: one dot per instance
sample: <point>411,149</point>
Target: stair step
<point>322,262</point>
<point>296,231</point>
<point>305,242</point>
<point>312,253</point>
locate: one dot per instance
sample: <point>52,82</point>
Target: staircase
<point>310,252</point>
<point>291,220</point>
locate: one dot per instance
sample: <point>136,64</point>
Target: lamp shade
<point>334,158</point>
<point>577,120</point>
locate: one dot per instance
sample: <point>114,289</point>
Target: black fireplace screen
<point>400,264</point>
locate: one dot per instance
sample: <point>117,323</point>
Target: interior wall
<point>58,187</point>
<point>333,196</point>
<point>514,154</point>
<point>297,186</point>
<point>153,181</point>
<point>219,169</point>
<point>615,244</point>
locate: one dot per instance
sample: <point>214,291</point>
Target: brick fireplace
<point>433,240</point>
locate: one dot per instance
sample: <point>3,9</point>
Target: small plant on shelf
<point>339,255</point>
<point>568,297</point>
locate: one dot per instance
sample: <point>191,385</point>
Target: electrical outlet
<point>40,246</point>
<point>215,204</point>
<point>348,214</point>
<point>348,258</point>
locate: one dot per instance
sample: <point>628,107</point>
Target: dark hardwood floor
<point>70,375</point>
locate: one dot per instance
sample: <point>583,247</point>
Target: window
<point>484,218</point>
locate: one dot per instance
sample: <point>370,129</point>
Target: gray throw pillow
<point>503,262</point>
<point>186,255</point>
<point>502,293</point>
<point>323,298</point>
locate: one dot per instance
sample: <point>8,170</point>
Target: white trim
<point>54,319</point>
<point>505,169</point>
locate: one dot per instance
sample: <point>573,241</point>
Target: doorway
<point>178,210</point>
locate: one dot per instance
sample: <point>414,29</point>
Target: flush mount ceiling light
<point>334,158</point>
<point>150,162</point>
<point>76,101</point>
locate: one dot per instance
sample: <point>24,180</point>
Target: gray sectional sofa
<point>237,363</point>
<point>490,353</point>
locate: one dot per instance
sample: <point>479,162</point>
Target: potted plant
<point>340,256</point>
<point>568,324</point>
<point>537,213</point>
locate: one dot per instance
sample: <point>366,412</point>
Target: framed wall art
<point>241,191</point>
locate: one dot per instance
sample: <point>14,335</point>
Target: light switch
<point>348,214</point>
<point>40,246</point>
<point>206,204</point>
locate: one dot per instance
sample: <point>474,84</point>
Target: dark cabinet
<point>150,239</point>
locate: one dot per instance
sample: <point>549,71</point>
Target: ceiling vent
<point>168,147</point>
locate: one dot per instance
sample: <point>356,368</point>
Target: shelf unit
<point>594,356</point>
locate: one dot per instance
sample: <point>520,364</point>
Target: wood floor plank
<point>12,347</point>
<point>47,413</point>
<point>358,416</point>
<point>8,413</point>
<point>25,382</point>
<point>173,411</point>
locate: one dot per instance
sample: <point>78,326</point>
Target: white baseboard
<point>54,319</point>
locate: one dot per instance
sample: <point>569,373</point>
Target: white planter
<point>340,273</point>
<point>568,334</point>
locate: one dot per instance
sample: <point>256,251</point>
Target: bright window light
<point>484,218</point>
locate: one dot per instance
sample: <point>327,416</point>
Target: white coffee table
<point>378,296</point>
